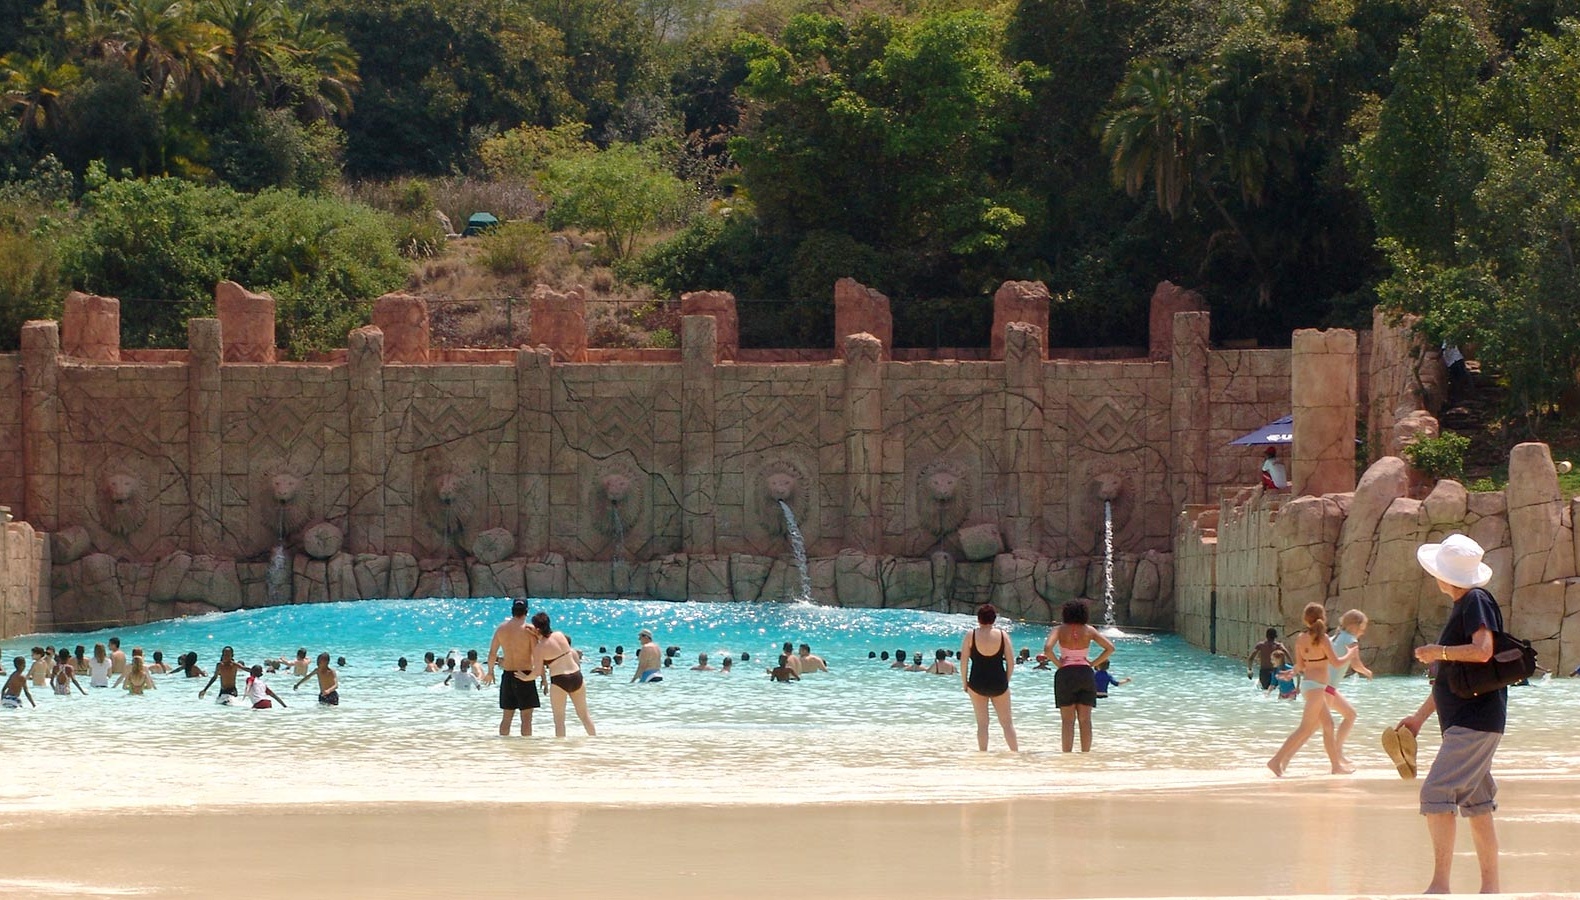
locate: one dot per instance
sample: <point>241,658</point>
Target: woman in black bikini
<point>987,660</point>
<point>563,667</point>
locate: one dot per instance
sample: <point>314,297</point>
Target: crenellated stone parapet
<point>187,480</point>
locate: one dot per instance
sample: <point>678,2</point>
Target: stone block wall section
<point>25,605</point>
<point>1356,549</point>
<point>186,481</point>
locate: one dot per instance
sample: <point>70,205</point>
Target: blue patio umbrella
<point>1281,431</point>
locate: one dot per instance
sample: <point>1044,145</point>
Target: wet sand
<point>1220,841</point>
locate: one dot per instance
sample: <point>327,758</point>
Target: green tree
<point>1420,166</point>
<point>892,132</point>
<point>620,192</point>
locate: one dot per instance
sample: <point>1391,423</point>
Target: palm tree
<point>249,32</point>
<point>1156,135</point>
<point>95,33</point>
<point>1172,130</point>
<point>33,87</point>
<point>325,58</point>
<point>159,38</point>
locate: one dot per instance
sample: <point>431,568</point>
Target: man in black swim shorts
<point>514,642</point>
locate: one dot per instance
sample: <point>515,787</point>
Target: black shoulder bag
<point>1513,660</point>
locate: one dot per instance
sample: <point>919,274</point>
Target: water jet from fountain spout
<point>798,547</point>
<point>1112,626</point>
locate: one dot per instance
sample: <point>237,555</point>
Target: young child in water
<point>261,695</point>
<point>1105,680</point>
<point>16,687</point>
<point>1347,650</point>
<point>1283,677</point>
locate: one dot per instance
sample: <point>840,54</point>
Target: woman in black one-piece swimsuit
<point>985,671</point>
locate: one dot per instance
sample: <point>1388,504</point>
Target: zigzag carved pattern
<point>1098,424</point>
<point>777,421</point>
<point>934,424</point>
<point>618,424</point>
<point>282,428</point>
<point>448,421</point>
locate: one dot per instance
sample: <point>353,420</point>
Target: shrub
<point>1439,457</point>
<point>708,254</point>
<point>162,244</point>
<point>514,248</point>
<point>31,285</point>
<point>162,239</point>
<point>272,149</point>
<point>1483,485</point>
<point>322,259</point>
<point>619,192</point>
<point>523,153</point>
<point>418,236</point>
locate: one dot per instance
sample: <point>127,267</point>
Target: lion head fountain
<point>121,502</point>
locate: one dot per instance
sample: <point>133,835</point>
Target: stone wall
<point>1268,557</point>
<point>183,481</point>
<point>24,600</point>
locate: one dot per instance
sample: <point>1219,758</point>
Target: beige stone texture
<point>1398,367</point>
<point>247,321</point>
<point>322,541</point>
<point>1167,299</point>
<point>721,306</point>
<point>981,542</point>
<point>907,583</point>
<point>1323,397</point>
<point>559,321</point>
<point>1018,301</point>
<point>493,545</point>
<point>856,580</point>
<point>1014,589</point>
<point>403,321</point>
<point>403,575</point>
<point>70,544</point>
<point>859,309</point>
<point>90,328</point>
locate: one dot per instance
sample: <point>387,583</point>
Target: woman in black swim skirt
<point>987,659</point>
<point>563,666</point>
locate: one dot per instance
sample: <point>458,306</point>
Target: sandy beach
<point>1218,841</point>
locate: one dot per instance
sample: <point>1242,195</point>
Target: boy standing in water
<point>16,688</point>
<point>328,682</point>
<point>259,694</point>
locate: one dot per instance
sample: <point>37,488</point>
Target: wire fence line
<point>769,323</point>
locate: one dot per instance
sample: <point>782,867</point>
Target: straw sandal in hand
<point>1399,743</point>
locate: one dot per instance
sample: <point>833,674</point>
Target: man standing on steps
<point>514,642</point>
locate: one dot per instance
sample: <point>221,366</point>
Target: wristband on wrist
<point>1444,648</point>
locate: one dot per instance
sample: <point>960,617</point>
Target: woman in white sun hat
<point>1460,779</point>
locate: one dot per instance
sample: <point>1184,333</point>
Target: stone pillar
<point>91,328</point>
<point>1167,300</point>
<point>1322,400</point>
<point>721,306</point>
<point>41,421</point>
<point>534,447</point>
<point>698,392</point>
<point>365,402</point>
<point>859,309</point>
<point>863,442</point>
<point>1019,301</point>
<point>247,321</point>
<point>1022,460</point>
<point>1190,411</point>
<point>404,321</point>
<point>204,437</point>
<point>559,321</point>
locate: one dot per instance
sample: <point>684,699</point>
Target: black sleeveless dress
<point>989,676</point>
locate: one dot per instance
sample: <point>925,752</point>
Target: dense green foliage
<point>1296,161</point>
<point>1473,175</point>
<point>161,244</point>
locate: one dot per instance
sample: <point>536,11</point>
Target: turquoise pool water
<point>860,732</point>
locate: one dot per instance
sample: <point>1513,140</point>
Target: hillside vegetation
<point>1297,161</point>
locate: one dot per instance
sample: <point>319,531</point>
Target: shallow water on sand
<point>862,731</point>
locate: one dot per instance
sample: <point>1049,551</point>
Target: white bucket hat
<point>1457,561</point>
